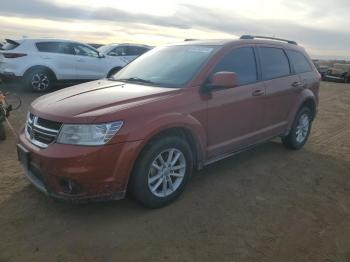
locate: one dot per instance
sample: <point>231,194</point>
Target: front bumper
<point>96,173</point>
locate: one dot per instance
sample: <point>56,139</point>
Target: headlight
<point>89,135</point>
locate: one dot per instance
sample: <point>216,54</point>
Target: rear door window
<point>299,62</point>
<point>274,63</point>
<point>242,62</point>
<point>136,50</point>
<point>118,51</point>
<point>55,47</point>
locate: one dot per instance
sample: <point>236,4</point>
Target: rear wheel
<point>300,131</point>
<point>162,172</point>
<point>39,80</point>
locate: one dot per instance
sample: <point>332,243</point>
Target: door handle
<point>300,85</point>
<point>258,92</point>
<point>296,84</point>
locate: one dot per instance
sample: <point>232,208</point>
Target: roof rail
<point>267,37</point>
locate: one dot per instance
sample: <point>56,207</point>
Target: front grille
<point>41,132</point>
<point>49,124</point>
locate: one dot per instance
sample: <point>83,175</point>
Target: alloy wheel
<point>40,82</point>
<point>302,128</point>
<point>166,172</point>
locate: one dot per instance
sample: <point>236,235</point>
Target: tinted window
<point>119,51</point>
<point>299,62</point>
<point>274,63</point>
<point>84,50</point>
<point>55,47</point>
<point>136,50</point>
<point>242,62</point>
<point>143,50</point>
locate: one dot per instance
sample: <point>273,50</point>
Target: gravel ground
<point>266,204</point>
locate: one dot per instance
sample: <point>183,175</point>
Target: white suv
<point>43,62</point>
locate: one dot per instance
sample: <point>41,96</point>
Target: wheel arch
<point>179,131</point>
<point>311,104</point>
<point>44,67</point>
<point>182,132</point>
<point>308,99</point>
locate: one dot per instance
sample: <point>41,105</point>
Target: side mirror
<point>101,55</point>
<point>224,79</point>
<point>220,80</point>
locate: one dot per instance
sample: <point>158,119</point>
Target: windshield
<point>169,66</point>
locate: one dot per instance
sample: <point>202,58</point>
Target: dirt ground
<point>266,204</point>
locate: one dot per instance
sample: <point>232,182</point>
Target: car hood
<point>86,102</point>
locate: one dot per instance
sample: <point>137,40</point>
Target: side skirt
<point>240,150</point>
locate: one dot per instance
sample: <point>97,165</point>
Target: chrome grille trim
<point>33,131</point>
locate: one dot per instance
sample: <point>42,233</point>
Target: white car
<point>40,63</point>
<point>127,52</point>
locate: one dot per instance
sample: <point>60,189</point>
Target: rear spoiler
<point>12,42</point>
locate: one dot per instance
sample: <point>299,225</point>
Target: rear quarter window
<point>9,45</point>
<point>274,63</point>
<point>299,62</point>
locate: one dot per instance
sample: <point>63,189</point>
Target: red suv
<point>177,108</point>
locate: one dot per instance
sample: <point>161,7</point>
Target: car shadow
<point>257,196</point>
<point>243,166</point>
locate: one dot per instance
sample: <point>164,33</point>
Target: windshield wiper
<point>135,79</point>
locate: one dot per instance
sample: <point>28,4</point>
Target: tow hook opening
<point>70,186</point>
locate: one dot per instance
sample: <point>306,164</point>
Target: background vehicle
<point>95,45</point>
<point>126,52</point>
<point>339,72</point>
<point>40,63</point>
<point>175,109</point>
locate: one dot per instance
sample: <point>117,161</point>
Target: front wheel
<point>162,172</point>
<point>300,131</point>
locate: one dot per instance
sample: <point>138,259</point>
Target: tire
<point>39,80</point>
<point>300,131</point>
<point>150,178</point>
<point>113,71</point>
<point>2,132</point>
<point>346,79</point>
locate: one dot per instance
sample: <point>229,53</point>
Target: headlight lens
<point>89,135</point>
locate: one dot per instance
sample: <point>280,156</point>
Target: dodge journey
<point>171,111</point>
